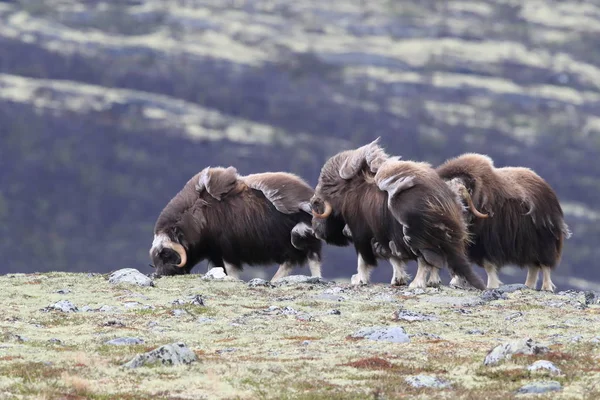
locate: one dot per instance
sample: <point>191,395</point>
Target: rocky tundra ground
<point>76,336</point>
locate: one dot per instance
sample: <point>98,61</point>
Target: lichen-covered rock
<point>130,276</point>
<point>395,334</point>
<point>170,354</point>
<point>124,341</point>
<point>257,282</point>
<point>544,365</point>
<point>412,316</point>
<point>62,305</point>
<point>493,294</point>
<point>540,387</point>
<point>298,279</point>
<point>592,297</point>
<point>513,287</point>
<point>506,350</point>
<point>427,381</point>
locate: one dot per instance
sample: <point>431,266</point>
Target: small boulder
<point>540,387</point>
<point>205,320</point>
<point>592,297</point>
<point>124,341</point>
<point>215,274</point>
<point>130,276</point>
<point>544,365</point>
<point>493,294</point>
<point>395,334</point>
<point>427,381</point>
<point>170,354</point>
<point>63,305</point>
<point>506,350</point>
<point>63,291</point>
<point>258,282</point>
<point>298,279</point>
<point>334,312</point>
<point>513,287</point>
<point>411,316</point>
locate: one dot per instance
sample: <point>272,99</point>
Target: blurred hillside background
<point>108,108</point>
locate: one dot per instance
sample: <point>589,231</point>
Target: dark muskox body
<point>525,226</point>
<point>404,207</point>
<point>233,220</point>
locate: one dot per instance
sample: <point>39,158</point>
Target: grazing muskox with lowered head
<point>366,197</point>
<point>233,220</point>
<point>524,222</point>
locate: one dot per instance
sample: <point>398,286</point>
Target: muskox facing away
<point>232,220</point>
<point>367,197</point>
<point>524,225</point>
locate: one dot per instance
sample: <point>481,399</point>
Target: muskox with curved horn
<point>403,207</point>
<point>233,220</point>
<point>523,221</point>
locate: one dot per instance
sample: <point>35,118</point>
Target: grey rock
<point>512,288</point>
<point>86,309</point>
<point>205,320</point>
<point>130,276</point>
<point>335,290</point>
<point>545,366</point>
<point>459,301</point>
<point>179,312</point>
<point>384,298</point>
<point>395,334</point>
<point>305,343</point>
<point>475,332</point>
<point>132,304</point>
<point>595,340</point>
<point>514,316</point>
<point>106,308</point>
<point>592,297</point>
<point>215,274</point>
<point>55,341</point>
<point>540,387</point>
<point>124,341</point>
<point>257,282</point>
<point>63,305</point>
<point>298,279</point>
<point>288,311</point>
<point>427,335</point>
<point>412,316</point>
<point>493,294</point>
<point>329,297</point>
<point>506,350</point>
<point>196,300</point>
<point>426,381</point>
<point>334,312</point>
<point>304,317</point>
<point>114,323</point>
<point>227,350</point>
<point>576,338</point>
<point>63,291</point>
<point>13,337</point>
<point>170,354</point>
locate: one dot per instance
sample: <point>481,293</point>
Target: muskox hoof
<point>417,284</point>
<point>549,287</point>
<point>356,280</point>
<point>398,282</point>
<point>434,283</point>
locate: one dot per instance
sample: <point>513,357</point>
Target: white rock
<point>170,354</point>
<point>540,387</point>
<point>215,273</point>
<point>421,381</point>
<point>507,350</point>
<point>130,276</point>
<point>395,334</point>
<point>544,365</point>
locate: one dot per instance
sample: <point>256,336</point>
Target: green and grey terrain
<point>75,335</point>
<point>107,108</point>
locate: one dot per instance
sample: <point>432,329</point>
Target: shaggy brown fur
<point>233,220</point>
<point>420,218</point>
<point>526,225</point>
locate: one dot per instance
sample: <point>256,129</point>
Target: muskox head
<point>168,256</point>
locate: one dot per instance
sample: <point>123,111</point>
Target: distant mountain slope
<point>106,110</point>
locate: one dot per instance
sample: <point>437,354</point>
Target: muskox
<point>522,222</point>
<point>367,198</point>
<point>232,220</point>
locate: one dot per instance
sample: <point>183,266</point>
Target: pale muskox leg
<point>363,274</point>
<point>231,270</point>
<point>493,282</point>
<point>434,278</point>
<point>399,277</point>
<point>546,280</point>
<point>420,280</point>
<point>532,277</point>
<point>284,270</point>
<point>314,263</point>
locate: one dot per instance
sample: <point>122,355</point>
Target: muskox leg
<point>546,280</point>
<point>423,270</point>
<point>232,270</point>
<point>434,278</point>
<point>284,270</point>
<point>493,282</point>
<point>399,277</point>
<point>314,264</point>
<point>363,272</point>
<point>532,277</point>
